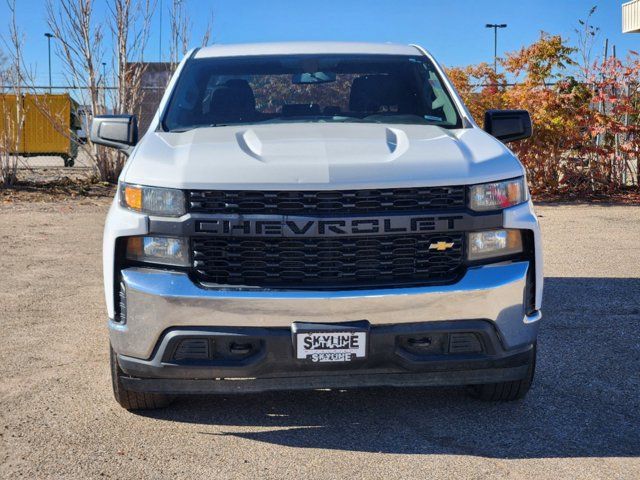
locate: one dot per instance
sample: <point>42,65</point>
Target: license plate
<point>334,346</point>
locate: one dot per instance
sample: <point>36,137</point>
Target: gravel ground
<point>58,418</point>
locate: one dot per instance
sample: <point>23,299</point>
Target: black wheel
<point>506,391</point>
<point>134,400</point>
<point>70,161</point>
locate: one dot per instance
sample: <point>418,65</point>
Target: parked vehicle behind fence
<point>319,215</point>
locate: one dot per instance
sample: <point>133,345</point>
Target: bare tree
<point>13,115</point>
<point>130,25</point>
<point>181,27</point>
<point>206,36</point>
<point>79,46</point>
<point>81,49</point>
<point>3,66</point>
<point>586,35</point>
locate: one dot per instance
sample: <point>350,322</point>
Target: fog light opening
<point>420,342</point>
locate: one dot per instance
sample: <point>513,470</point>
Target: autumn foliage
<point>586,116</point>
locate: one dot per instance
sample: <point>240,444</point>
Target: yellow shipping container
<point>49,122</point>
<point>8,121</point>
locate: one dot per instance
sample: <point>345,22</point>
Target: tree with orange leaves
<point>586,133</point>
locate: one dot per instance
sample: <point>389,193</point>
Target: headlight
<point>494,243</point>
<point>153,200</point>
<point>496,195</point>
<point>161,250</point>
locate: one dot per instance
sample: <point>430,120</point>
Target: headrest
<point>243,86</point>
<point>232,102</point>
<point>371,92</point>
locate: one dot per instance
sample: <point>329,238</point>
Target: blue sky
<point>454,31</point>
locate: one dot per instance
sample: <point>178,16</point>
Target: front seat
<point>373,93</point>
<point>232,102</point>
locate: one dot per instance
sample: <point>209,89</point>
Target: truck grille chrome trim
<point>159,299</point>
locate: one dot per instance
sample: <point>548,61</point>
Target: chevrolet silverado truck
<point>317,216</point>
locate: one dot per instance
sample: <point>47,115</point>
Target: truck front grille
<point>334,203</point>
<point>350,262</point>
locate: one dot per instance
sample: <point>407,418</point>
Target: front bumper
<point>160,300</point>
<point>208,360</point>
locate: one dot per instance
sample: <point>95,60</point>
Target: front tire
<point>129,399</point>
<point>507,391</point>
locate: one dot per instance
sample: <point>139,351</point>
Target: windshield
<point>309,88</point>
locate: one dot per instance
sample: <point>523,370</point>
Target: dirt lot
<point>59,420</point>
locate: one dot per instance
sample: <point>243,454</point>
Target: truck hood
<point>326,156</point>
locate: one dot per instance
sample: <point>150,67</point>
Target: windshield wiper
<point>407,119</point>
<point>181,130</point>
<point>193,127</point>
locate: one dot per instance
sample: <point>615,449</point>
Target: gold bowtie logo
<point>441,246</point>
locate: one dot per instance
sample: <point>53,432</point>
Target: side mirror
<point>508,125</point>
<point>117,131</point>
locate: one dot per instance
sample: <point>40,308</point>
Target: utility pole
<point>104,86</point>
<point>495,27</point>
<point>160,43</point>
<point>49,37</point>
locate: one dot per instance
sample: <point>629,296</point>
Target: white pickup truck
<point>319,215</point>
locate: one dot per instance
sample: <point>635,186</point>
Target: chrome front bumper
<point>158,300</point>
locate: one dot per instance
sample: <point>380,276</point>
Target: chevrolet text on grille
<point>288,227</point>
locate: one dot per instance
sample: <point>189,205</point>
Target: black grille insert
<point>464,343</point>
<point>356,262</point>
<point>332,203</point>
<point>192,349</point>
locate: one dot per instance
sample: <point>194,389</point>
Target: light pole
<point>104,84</point>
<point>49,37</point>
<point>495,27</point>
<point>160,43</point>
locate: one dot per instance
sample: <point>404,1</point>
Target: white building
<point>631,17</point>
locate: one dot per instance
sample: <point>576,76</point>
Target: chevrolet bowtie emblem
<point>441,246</point>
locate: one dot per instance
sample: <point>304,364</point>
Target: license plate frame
<point>321,343</point>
